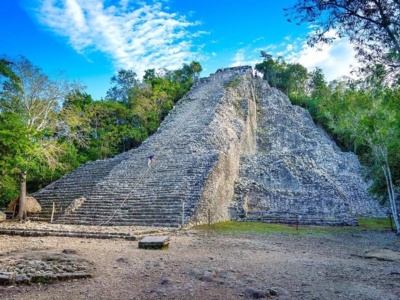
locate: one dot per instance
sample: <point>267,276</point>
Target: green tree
<point>365,118</point>
<point>372,26</point>
<point>13,142</point>
<point>269,69</point>
<point>31,107</point>
<point>196,68</point>
<point>78,99</point>
<point>149,75</point>
<point>122,83</point>
<point>8,79</point>
<point>296,77</point>
<point>289,78</point>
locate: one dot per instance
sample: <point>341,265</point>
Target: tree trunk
<point>382,155</point>
<point>22,199</point>
<point>392,196</point>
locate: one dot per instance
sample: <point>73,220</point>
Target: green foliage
<point>28,127</point>
<point>8,79</point>
<point>366,119</point>
<point>78,99</point>
<point>289,78</point>
<point>43,279</point>
<point>233,82</point>
<point>122,83</point>
<point>13,142</point>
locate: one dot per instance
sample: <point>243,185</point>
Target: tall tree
<point>196,68</point>
<point>296,80</point>
<point>8,79</point>
<point>289,78</point>
<point>268,68</point>
<point>33,107</point>
<point>122,83</point>
<point>373,26</point>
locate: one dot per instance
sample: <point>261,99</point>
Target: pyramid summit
<point>232,148</point>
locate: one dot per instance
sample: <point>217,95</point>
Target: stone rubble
<point>37,267</point>
<point>84,231</point>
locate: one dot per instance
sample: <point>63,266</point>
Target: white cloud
<point>135,35</point>
<point>244,57</point>
<point>258,39</point>
<point>289,48</point>
<point>336,59</point>
<point>238,59</point>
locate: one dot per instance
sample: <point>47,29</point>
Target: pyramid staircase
<point>124,190</point>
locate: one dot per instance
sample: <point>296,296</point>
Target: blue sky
<point>91,39</point>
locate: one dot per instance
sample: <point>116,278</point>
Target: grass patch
<point>233,83</point>
<point>233,227</point>
<point>246,227</point>
<point>375,223</point>
<point>41,279</point>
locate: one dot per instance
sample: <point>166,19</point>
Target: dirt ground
<point>206,265</point>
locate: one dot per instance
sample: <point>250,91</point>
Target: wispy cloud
<point>239,58</point>
<point>135,35</point>
<point>244,57</point>
<point>336,59</point>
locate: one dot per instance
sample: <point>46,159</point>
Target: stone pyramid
<point>232,148</point>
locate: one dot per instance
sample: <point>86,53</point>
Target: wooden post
<point>183,213</point>
<point>390,219</point>
<point>15,208</point>
<point>298,222</point>
<point>52,213</point>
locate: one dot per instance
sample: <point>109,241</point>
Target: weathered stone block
<point>154,242</point>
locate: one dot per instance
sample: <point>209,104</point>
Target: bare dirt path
<point>205,265</point>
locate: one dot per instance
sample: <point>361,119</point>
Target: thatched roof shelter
<point>32,206</point>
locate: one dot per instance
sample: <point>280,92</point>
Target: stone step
<point>123,216</point>
<point>153,223</point>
